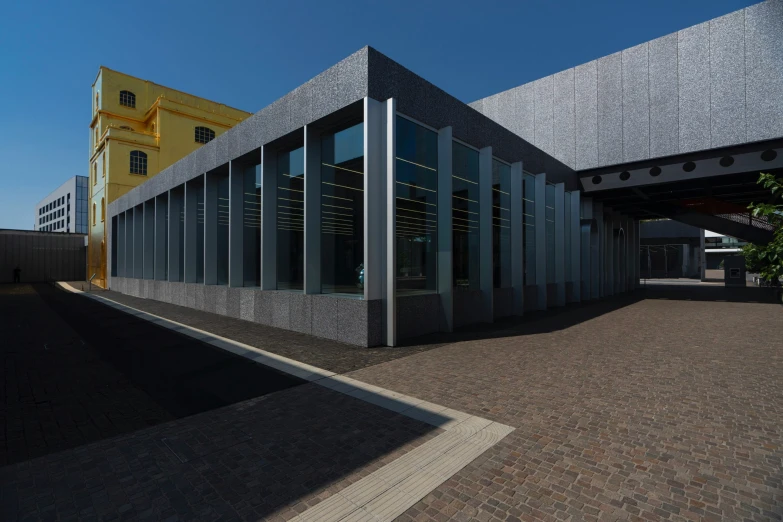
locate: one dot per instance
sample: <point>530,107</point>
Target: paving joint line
<point>389,491</point>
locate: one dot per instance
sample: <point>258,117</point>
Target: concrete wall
<point>715,84</point>
<point>42,256</point>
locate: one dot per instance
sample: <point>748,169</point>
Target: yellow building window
<point>128,99</point>
<point>204,135</point>
<point>93,214</point>
<point>103,210</point>
<point>94,173</point>
<point>104,166</point>
<point>138,162</point>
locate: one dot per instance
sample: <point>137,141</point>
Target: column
<point>560,261</point>
<point>517,246</point>
<point>389,205</point>
<point>191,222</point>
<point>120,239</point>
<point>138,241</point>
<point>161,214</point>
<point>149,239</point>
<point>445,283</point>
<point>235,223</point>
<point>269,218</point>
<point>176,204</point>
<point>576,246</point>
<point>485,233</point>
<point>312,211</point>
<point>541,241</point>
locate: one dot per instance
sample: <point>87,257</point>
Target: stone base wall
<point>503,302</point>
<point>417,315</point>
<point>348,320</point>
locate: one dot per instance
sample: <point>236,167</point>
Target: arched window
<point>138,162</point>
<point>204,135</point>
<point>94,173</point>
<point>103,209</point>
<point>93,214</point>
<point>103,164</point>
<point>128,99</point>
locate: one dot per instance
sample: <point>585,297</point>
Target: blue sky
<point>248,54</point>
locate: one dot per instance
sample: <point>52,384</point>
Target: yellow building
<point>139,128</point>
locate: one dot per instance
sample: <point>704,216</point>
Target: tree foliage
<point>767,260</point>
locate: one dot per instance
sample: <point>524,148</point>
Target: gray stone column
<point>120,239</point>
<point>269,218</point>
<point>176,204</point>
<point>540,208</point>
<point>375,211</point>
<point>210,228</point>
<point>161,222</point>
<point>312,211</point>
<point>390,233</point>
<point>485,233</point>
<point>138,242</point>
<point>236,198</point>
<point>517,245</point>
<point>149,239</point>
<point>576,246</point>
<point>445,260</point>
<point>191,224</point>
<point>560,260</point>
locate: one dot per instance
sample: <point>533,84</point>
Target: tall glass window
<point>114,241</point>
<point>129,244</point>
<point>550,233</point>
<point>529,229</point>
<point>567,234</point>
<point>290,219</point>
<point>222,230</point>
<point>465,217</point>
<point>501,224</point>
<point>196,186</point>
<point>342,211</point>
<point>416,214</point>
<point>251,226</point>
<point>181,234</point>
<point>165,201</point>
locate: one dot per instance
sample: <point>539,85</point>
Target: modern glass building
<point>64,209</point>
<point>369,206</point>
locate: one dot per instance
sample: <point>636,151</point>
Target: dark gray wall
<point>715,84</point>
<point>42,256</point>
<point>667,228</point>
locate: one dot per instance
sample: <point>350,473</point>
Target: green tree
<point>767,260</point>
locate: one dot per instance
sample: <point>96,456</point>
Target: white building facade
<point>64,209</point>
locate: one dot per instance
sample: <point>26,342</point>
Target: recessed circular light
<point>597,180</point>
<point>689,166</point>
<point>655,171</point>
<point>769,155</point>
<point>726,161</point>
<point>625,175</point>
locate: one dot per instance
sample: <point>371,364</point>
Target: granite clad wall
<point>352,321</point>
<point>715,84</point>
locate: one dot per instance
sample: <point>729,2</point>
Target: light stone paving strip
<point>388,492</point>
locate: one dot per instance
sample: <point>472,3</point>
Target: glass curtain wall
<point>222,230</point>
<point>501,224</point>
<point>114,241</point>
<point>342,211</point>
<point>529,228</point>
<point>567,234</point>
<point>290,220</point>
<point>251,226</point>
<point>465,217</point>
<point>181,234</point>
<point>549,215</point>
<point>416,202</point>
<point>197,186</point>
<point>129,222</point>
<point>163,205</point>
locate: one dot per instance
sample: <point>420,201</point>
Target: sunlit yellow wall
<point>162,125</point>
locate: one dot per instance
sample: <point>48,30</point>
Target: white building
<point>64,209</point>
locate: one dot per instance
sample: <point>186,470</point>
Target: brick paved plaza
<point>664,405</point>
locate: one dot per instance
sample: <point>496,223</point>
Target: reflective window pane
<point>251,225</point>
<point>465,217</point>
<point>529,229</point>
<point>222,230</point>
<point>567,233</point>
<point>416,207</point>
<point>342,211</point>
<point>290,220</point>
<point>550,233</point>
<point>501,224</point>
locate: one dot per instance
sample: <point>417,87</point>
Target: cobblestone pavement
<point>75,371</point>
<point>666,409</point>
